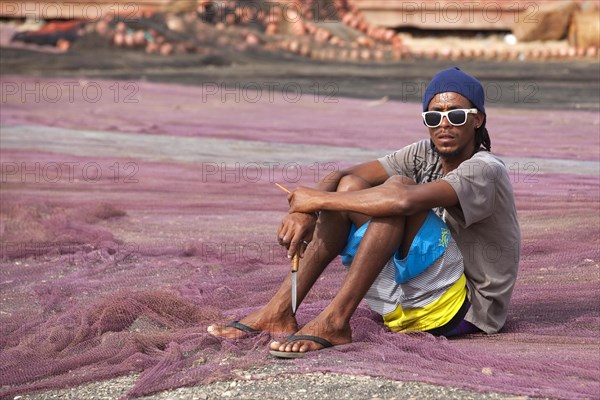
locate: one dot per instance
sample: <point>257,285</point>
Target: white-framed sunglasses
<point>457,117</point>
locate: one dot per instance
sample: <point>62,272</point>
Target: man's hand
<point>305,200</point>
<point>296,231</point>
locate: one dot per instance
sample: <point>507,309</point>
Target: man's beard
<point>446,155</point>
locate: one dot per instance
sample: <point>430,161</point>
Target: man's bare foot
<point>260,321</point>
<point>320,329</point>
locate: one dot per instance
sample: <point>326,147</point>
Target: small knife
<point>295,261</point>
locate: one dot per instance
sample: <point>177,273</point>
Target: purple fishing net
<point>128,228</point>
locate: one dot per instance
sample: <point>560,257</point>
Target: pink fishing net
<point>127,228</point>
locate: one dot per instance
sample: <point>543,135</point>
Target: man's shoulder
<point>420,150</point>
<point>481,167</point>
<point>417,161</point>
<point>487,158</point>
<point>482,161</point>
<point>419,147</point>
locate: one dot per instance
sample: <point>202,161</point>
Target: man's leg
<point>331,234</point>
<point>378,245</point>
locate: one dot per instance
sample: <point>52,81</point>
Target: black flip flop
<point>298,354</point>
<point>244,328</point>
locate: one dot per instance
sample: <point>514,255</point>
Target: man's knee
<point>350,183</point>
<point>397,180</point>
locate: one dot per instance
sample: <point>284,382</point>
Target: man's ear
<point>479,119</point>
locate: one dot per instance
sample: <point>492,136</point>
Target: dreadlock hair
<point>482,138</point>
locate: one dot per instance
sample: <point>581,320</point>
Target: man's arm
<point>299,226</point>
<point>372,172</point>
<point>397,196</point>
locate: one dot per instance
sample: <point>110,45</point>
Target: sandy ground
<point>280,387</point>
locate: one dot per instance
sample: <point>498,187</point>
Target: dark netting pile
<point>128,227</point>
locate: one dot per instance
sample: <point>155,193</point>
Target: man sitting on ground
<point>378,215</point>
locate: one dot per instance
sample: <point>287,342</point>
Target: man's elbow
<point>405,206</point>
<point>404,202</point>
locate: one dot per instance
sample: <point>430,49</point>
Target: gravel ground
<point>265,385</point>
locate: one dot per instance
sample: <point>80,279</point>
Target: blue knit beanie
<point>454,80</point>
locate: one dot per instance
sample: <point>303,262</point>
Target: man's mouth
<point>444,137</point>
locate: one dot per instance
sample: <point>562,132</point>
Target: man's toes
<point>276,346</point>
<point>215,329</point>
<point>296,347</point>
<point>279,346</point>
<point>224,331</point>
<point>304,348</point>
<point>301,347</point>
<point>291,347</point>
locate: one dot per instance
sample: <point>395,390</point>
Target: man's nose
<point>445,123</point>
